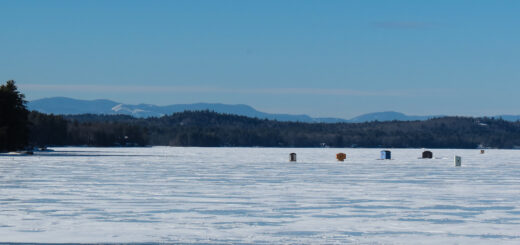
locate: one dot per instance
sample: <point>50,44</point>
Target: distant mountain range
<point>68,106</point>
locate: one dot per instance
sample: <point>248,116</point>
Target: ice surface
<point>255,195</point>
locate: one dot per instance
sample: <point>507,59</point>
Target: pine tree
<point>14,122</point>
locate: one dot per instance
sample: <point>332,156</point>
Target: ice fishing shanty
<point>386,155</point>
<point>292,157</point>
<point>458,161</point>
<point>427,155</point>
<point>341,156</point>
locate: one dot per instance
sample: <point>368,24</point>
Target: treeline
<point>205,128</point>
<point>55,130</point>
<point>20,129</point>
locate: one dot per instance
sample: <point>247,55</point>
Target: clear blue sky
<point>322,58</point>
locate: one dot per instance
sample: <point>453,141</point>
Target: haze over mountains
<point>69,106</point>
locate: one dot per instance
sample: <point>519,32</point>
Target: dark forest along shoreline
<point>210,129</point>
<point>24,130</point>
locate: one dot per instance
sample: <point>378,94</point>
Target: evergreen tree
<point>13,118</point>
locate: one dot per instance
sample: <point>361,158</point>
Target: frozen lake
<point>255,196</point>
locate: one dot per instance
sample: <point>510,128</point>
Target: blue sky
<point>322,58</point>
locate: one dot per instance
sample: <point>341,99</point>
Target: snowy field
<point>255,196</point>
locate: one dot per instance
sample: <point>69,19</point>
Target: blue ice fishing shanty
<point>386,155</point>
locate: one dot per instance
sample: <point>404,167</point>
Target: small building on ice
<point>292,157</point>
<point>386,155</point>
<point>427,155</point>
<point>341,156</point>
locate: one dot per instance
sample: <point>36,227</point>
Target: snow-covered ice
<point>255,195</point>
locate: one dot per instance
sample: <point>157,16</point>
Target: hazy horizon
<point>281,113</point>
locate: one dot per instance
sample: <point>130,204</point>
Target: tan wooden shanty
<point>341,156</point>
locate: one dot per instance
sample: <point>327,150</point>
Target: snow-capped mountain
<point>68,106</point>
